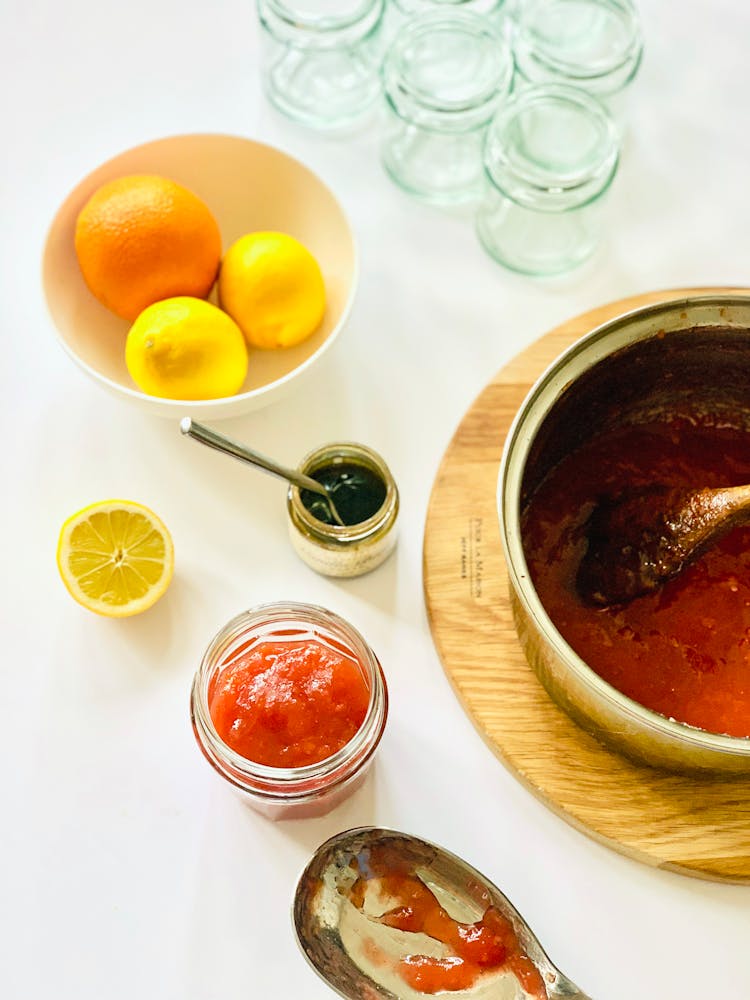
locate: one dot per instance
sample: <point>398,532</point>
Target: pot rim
<point>602,341</point>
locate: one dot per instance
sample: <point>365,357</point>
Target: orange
<point>143,238</point>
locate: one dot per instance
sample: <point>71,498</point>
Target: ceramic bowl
<point>248,186</point>
<point>695,349</point>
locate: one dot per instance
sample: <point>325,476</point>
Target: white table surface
<point>128,868</point>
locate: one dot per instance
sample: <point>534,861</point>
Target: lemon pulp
<point>115,557</point>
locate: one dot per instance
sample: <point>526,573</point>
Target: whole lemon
<point>186,348</point>
<point>143,238</point>
<point>271,285</point>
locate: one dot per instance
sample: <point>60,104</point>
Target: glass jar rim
<point>287,779</point>
<point>628,55</point>
<point>346,534</point>
<point>399,84</point>
<point>410,9</point>
<point>523,181</point>
<point>293,18</point>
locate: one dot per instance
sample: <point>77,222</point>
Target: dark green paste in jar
<point>357,491</point>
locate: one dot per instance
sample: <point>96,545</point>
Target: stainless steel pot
<point>692,353</point>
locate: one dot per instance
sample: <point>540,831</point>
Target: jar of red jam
<point>289,705</point>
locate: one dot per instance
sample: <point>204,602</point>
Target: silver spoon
<point>206,436</point>
<point>345,944</point>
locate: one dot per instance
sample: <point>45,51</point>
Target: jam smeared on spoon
<point>382,915</point>
<point>486,945</point>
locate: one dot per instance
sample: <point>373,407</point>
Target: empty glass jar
<point>549,159</point>
<point>444,77</point>
<point>321,58</point>
<point>592,44</point>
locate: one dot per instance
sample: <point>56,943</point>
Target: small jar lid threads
<point>444,77</point>
<point>321,60</point>
<point>350,549</point>
<point>487,8</point>
<point>592,44</point>
<point>549,157</point>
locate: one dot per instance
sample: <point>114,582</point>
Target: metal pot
<point>689,353</point>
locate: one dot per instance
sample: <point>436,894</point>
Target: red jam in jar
<point>289,705</point>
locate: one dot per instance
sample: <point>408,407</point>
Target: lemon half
<point>115,557</point>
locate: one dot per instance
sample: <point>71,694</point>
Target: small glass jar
<point>350,549</point>
<point>444,77</point>
<point>321,58</point>
<point>592,44</point>
<point>549,159</point>
<point>291,792</point>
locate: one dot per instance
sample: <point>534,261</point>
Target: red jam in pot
<point>683,651</point>
<point>288,703</point>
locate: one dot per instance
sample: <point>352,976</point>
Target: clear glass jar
<point>291,792</point>
<point>321,58</point>
<point>549,159</point>
<point>351,549</point>
<point>592,44</point>
<point>444,77</point>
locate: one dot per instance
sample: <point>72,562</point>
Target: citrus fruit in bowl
<point>248,188</point>
<point>143,238</point>
<point>271,285</point>
<point>185,348</point>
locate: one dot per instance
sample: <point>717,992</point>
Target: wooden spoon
<point>639,540</point>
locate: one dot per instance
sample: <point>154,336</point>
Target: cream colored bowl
<point>648,358</point>
<point>248,187</point>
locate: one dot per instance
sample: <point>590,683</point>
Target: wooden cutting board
<point>696,826</point>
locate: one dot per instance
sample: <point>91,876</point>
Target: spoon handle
<point>565,990</point>
<point>240,451</point>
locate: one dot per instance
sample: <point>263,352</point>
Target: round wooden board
<point>699,827</point>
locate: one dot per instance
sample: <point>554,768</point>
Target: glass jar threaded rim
<point>447,70</point>
<point>300,25</point>
<point>594,44</point>
<point>552,148</point>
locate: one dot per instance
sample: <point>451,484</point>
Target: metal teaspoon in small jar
<point>342,503</point>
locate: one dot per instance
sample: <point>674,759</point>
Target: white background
<point>128,869</point>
